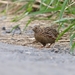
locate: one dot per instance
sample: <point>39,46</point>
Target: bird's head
<point>36,29</point>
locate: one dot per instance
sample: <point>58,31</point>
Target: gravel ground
<point>23,60</point>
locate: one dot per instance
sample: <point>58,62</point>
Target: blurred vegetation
<point>64,11</point>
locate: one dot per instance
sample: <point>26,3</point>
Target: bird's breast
<point>40,38</point>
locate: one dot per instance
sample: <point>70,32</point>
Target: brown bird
<point>45,35</point>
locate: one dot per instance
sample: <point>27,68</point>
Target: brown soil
<point>27,37</point>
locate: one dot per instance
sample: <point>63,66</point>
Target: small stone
<point>3,28</point>
<point>8,31</point>
<point>52,50</point>
<point>16,31</point>
<point>56,51</point>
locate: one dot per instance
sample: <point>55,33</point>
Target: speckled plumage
<point>45,35</point>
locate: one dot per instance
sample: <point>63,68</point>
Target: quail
<point>45,35</point>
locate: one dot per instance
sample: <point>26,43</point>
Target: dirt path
<point>20,60</point>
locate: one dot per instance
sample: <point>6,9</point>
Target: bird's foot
<point>49,46</point>
<point>35,41</point>
<point>41,46</point>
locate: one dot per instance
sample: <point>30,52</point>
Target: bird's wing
<point>48,33</point>
<point>51,35</point>
<point>51,32</point>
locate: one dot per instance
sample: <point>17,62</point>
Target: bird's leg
<point>49,46</point>
<point>42,46</point>
<point>35,41</point>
